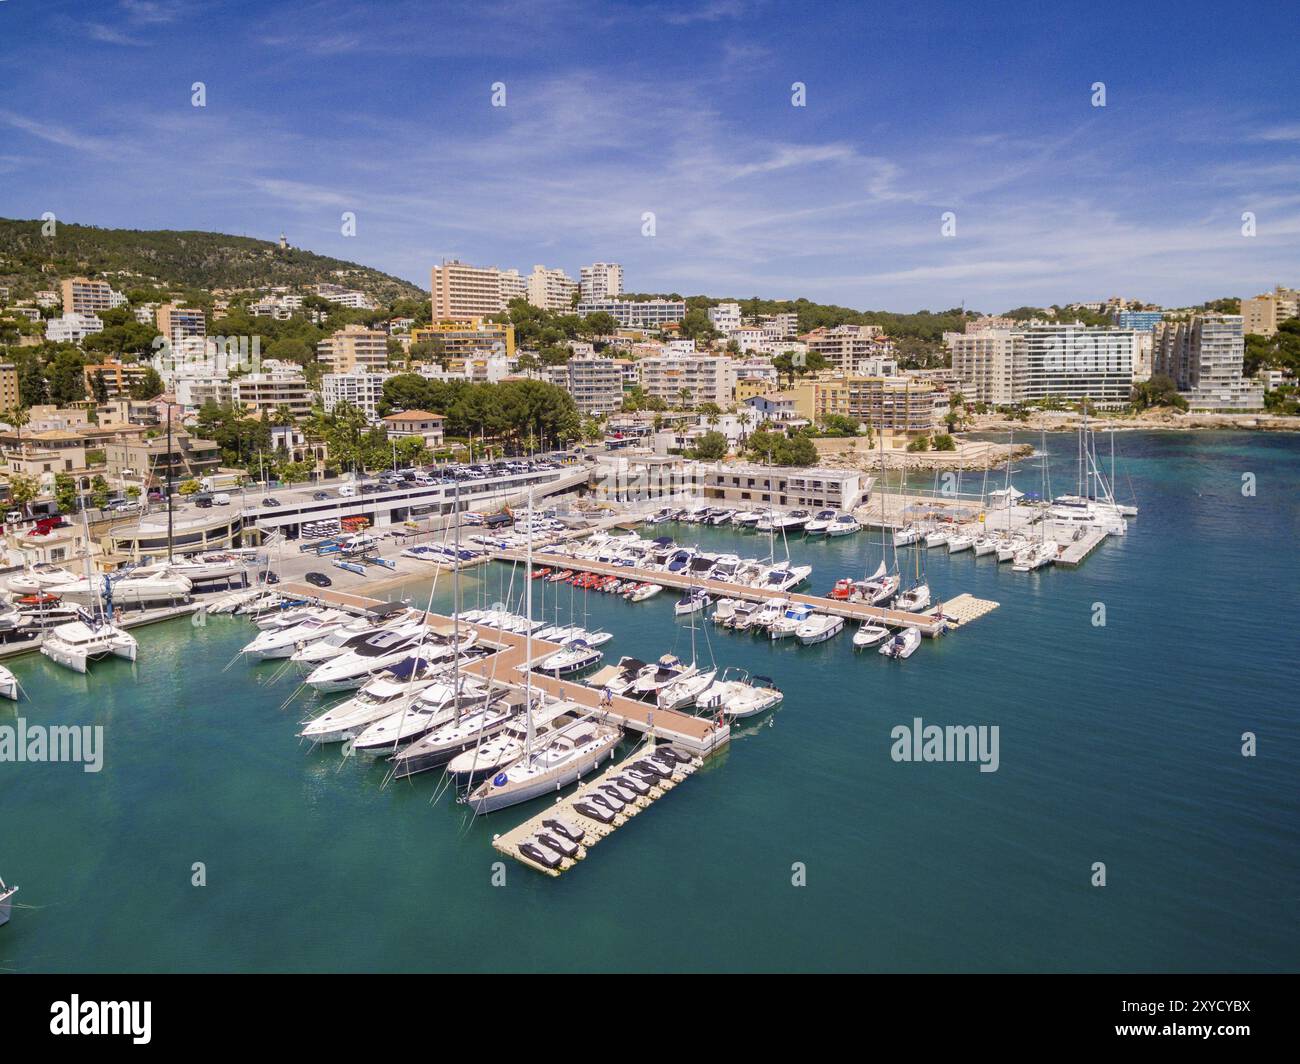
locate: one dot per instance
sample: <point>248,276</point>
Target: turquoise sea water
<point>1119,744</point>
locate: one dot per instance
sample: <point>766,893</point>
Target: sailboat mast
<point>169,483</point>
<point>528,630</point>
<point>455,600</point>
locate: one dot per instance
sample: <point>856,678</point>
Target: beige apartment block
<point>84,296</point>
<point>352,346</point>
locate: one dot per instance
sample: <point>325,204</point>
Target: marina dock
<point>594,831</point>
<point>505,667</point>
<point>850,611</point>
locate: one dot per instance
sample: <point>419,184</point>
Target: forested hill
<point>188,259</point>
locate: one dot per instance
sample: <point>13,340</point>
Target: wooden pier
<point>850,611</point>
<point>594,831</point>
<point>506,667</point>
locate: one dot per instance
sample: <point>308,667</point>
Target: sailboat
<point>917,596</point>
<point>91,638</point>
<point>554,762</point>
<point>882,585</point>
<point>689,685</point>
<point>8,684</point>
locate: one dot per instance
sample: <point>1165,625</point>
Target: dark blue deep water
<point>1119,744</point>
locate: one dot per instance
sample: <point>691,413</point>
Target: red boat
<point>539,573</point>
<point>38,600</point>
<point>843,589</point>
<point>563,574</point>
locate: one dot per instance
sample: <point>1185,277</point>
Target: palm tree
<point>745,416</point>
<point>18,417</point>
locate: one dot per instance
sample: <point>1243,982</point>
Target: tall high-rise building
<point>601,280</point>
<point>551,289</point>
<point>1204,356</point>
<point>981,360</point>
<point>179,323</point>
<point>1073,362</point>
<point>463,291</point>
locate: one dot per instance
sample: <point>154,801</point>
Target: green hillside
<point>186,259</point>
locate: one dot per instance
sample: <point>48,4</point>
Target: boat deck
<point>594,831</point>
<point>850,611</point>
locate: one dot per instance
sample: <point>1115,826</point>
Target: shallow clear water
<point>1118,744</point>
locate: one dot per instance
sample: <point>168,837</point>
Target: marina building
<point>649,315</point>
<point>353,346</point>
<point>600,280</point>
<point>751,485</point>
<point>1204,355</point>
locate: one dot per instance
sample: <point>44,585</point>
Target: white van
<point>347,490</point>
<point>221,499</point>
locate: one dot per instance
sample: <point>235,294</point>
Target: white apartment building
<point>359,388</point>
<point>1073,362</point>
<point>689,380</point>
<point>812,487</point>
<point>346,297</point>
<point>551,289</point>
<point>268,392</point>
<point>649,314</point>
<point>72,328</point>
<point>595,383</point>
<point>747,337</point>
<point>982,361</point>
<point>1204,355</point>
<point>484,369</point>
<point>600,280</point>
<point>725,317</point>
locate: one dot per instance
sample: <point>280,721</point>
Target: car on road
<point>319,495</point>
<point>318,579</point>
<point>270,500</point>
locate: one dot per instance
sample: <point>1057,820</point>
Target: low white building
<point>72,328</point>
<point>360,388</point>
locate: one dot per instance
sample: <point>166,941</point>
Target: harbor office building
<point>752,486</point>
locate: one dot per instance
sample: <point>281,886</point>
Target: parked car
<point>13,517</point>
<point>346,491</point>
<point>319,495</point>
<point>202,500</point>
<point>221,499</point>
<point>318,579</point>
<point>270,501</point>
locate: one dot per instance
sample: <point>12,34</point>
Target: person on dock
<point>606,698</point>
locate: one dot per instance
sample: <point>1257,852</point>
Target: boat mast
<point>169,483</point>
<point>455,602</point>
<point>528,632</point>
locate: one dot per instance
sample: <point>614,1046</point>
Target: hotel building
<point>463,291</point>
<point>1203,356</point>
<point>551,289</point>
<point>600,280</point>
<point>354,346</point>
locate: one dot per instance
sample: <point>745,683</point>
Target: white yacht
<point>75,644</point>
<point>575,656</point>
<point>868,635</point>
<point>936,538</point>
<point>745,518</point>
<point>737,696</point>
<point>131,589</point>
<point>818,628</point>
<point>905,537</point>
<point>282,642</point>
<point>914,599</point>
<point>682,692</point>
<point>770,611</point>
<point>819,522</point>
<point>660,674</point>
<point>783,576</point>
<point>380,697</point>
<point>437,747</point>
<point>985,545</point>
<point>488,757</point>
<point>959,541</point>
<point>565,754</point>
<point>790,621</point>
<point>375,653</point>
<point>431,708</point>
<point>844,525</point>
<point>8,684</point>
<point>6,901</point>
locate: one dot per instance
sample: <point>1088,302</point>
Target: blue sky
<point>683,108</point>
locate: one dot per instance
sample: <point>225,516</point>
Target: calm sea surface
<point>1119,744</point>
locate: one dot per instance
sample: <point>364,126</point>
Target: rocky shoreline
<point>1160,420</point>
